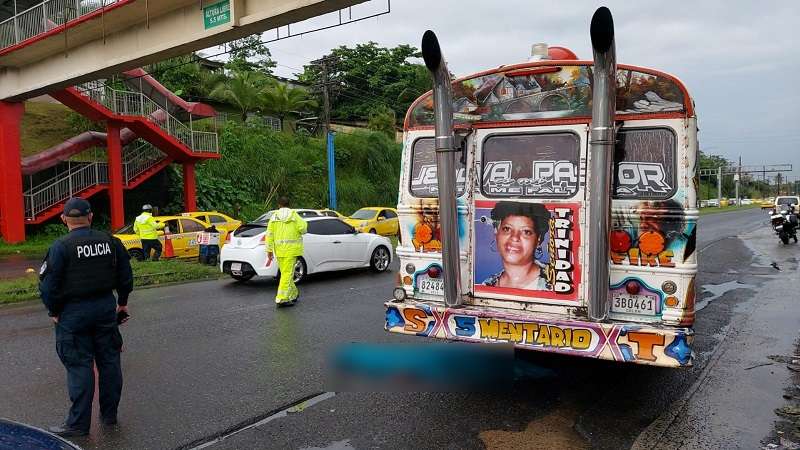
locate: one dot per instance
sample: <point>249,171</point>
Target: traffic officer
<point>147,228</point>
<point>76,281</point>
<point>285,241</point>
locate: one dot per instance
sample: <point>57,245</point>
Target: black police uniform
<point>76,283</point>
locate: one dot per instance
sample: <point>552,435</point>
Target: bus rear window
<point>423,170</point>
<point>644,164</point>
<point>531,165</point>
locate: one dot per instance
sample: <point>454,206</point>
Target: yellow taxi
<point>219,220</point>
<point>181,230</point>
<point>375,220</point>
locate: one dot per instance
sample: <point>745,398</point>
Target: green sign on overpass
<point>217,14</point>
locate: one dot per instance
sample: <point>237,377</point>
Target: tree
<point>369,76</point>
<point>180,75</point>
<point>382,119</point>
<point>285,102</point>
<point>249,54</point>
<point>242,90</point>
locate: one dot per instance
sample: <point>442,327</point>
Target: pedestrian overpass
<point>50,46</point>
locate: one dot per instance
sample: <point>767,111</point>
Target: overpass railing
<point>45,16</point>
<point>75,176</point>
<point>130,103</point>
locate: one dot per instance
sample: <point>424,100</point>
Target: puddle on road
<point>718,290</point>
<point>338,445</point>
<point>555,430</point>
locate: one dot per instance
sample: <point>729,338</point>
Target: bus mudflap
<point>614,341</point>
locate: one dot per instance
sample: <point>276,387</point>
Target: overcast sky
<point>739,59</point>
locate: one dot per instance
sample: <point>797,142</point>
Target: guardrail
<point>130,103</point>
<point>80,175</point>
<point>45,16</point>
<point>269,121</point>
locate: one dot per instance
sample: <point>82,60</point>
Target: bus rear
<point>529,188</point>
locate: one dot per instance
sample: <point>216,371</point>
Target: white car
<point>329,245</point>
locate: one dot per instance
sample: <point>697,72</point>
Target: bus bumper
<point>623,342</point>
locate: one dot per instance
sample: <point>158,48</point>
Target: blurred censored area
<point>440,367</point>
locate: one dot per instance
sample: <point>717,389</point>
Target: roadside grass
<point>145,274</point>
<point>715,210</point>
<point>36,245</point>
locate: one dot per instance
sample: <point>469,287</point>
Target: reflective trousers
<point>87,335</point>
<point>287,290</point>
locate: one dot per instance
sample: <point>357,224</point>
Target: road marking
<point>296,407</point>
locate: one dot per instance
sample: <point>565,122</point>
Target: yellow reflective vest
<point>147,227</point>
<point>285,233</point>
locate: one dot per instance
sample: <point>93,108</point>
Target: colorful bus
<point>552,205</point>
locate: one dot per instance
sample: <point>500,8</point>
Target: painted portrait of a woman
<point>519,229</point>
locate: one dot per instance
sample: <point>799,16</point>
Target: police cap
<point>77,207</point>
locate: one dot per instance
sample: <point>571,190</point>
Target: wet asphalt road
<point>205,357</point>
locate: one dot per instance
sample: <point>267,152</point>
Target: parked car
<point>182,232</point>
<point>783,202</point>
<point>767,203</point>
<point>375,220</point>
<point>219,220</point>
<point>329,245</point>
<point>304,213</point>
<point>746,201</point>
<point>713,202</point>
<point>703,203</point>
<point>332,213</point>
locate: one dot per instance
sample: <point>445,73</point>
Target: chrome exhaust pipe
<point>601,145</point>
<point>446,154</point>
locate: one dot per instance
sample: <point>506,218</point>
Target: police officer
<point>76,282</point>
<point>147,229</point>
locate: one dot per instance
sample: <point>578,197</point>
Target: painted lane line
<point>295,407</point>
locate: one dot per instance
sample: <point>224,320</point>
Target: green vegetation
<point>36,244</point>
<point>750,186</point>
<point>145,274</point>
<point>368,77</point>
<point>259,164</point>
<point>45,125</point>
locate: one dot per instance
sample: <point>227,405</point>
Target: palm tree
<point>242,90</point>
<point>285,102</point>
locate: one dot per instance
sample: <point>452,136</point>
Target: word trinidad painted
<point>527,249</point>
<point>628,343</point>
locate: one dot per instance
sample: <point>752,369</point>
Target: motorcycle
<point>785,224</point>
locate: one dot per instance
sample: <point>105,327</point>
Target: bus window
<point>531,165</point>
<point>423,170</point>
<point>644,163</point>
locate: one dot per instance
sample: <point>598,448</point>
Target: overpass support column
<point>189,187</point>
<point>115,181</point>
<point>12,206</point>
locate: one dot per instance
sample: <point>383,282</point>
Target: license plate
<point>634,304</point>
<point>236,268</point>
<point>430,286</point>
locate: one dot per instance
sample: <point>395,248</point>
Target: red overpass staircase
<point>155,134</point>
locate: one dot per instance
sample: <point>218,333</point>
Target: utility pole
<point>324,64</point>
<point>719,187</point>
<point>778,182</point>
<point>738,178</point>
